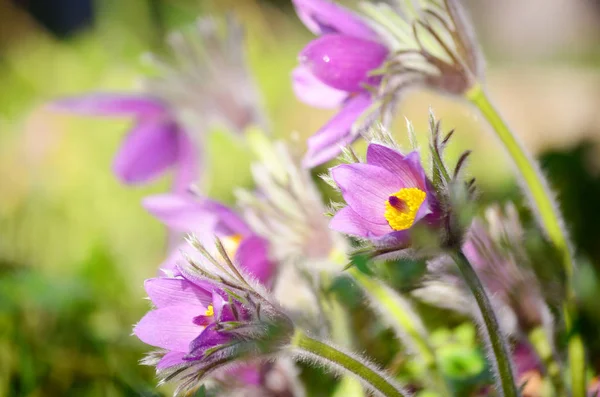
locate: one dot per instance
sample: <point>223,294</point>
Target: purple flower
<point>210,315</point>
<point>183,213</point>
<point>155,144</point>
<point>385,197</point>
<point>334,71</point>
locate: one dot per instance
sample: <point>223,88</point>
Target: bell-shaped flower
<point>210,315</point>
<point>155,144</point>
<point>385,197</point>
<point>336,71</point>
<point>208,85</point>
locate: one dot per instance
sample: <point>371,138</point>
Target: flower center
<point>231,244</point>
<point>210,311</point>
<point>401,207</point>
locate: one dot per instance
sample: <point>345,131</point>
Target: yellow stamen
<point>231,244</point>
<point>210,311</point>
<point>401,207</point>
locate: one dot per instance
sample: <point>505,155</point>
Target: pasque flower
<point>154,144</point>
<point>335,71</point>
<point>208,85</point>
<point>210,315</point>
<point>385,196</point>
<point>187,214</point>
<point>432,43</point>
<point>390,194</point>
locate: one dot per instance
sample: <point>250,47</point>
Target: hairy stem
<point>329,355</point>
<point>502,365</point>
<point>399,317</point>
<point>549,216</point>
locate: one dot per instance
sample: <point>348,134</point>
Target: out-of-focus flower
<point>287,210</point>
<point>186,214</point>
<point>335,71</point>
<point>210,315</point>
<point>261,379</point>
<point>432,45</point>
<point>495,248</point>
<point>208,85</point>
<point>155,143</point>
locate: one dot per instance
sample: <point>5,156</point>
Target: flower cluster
<point>214,315</point>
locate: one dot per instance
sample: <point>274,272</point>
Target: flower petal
<point>180,212</point>
<point>349,222</point>
<point>206,340</point>
<point>366,189</point>
<point>408,168</point>
<point>343,62</point>
<point>323,17</point>
<point>148,150</point>
<point>110,104</point>
<point>253,256</point>
<point>166,292</point>
<point>170,359</point>
<point>170,328</point>
<point>313,92</point>
<point>228,221</point>
<point>327,143</point>
<point>188,164</point>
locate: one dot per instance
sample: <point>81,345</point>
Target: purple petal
<point>229,222</point>
<point>180,212</point>
<point>407,168</point>
<point>110,104</point>
<point>343,62</point>
<point>170,328</point>
<point>323,17</point>
<point>148,150</point>
<point>313,92</point>
<point>207,339</point>
<point>166,292</point>
<point>327,143</point>
<point>366,189</point>
<point>170,359</point>
<point>349,222</point>
<point>253,256</point>
<point>188,164</point>
<point>170,264</point>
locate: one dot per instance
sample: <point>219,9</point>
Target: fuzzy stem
<point>548,214</point>
<point>325,353</point>
<point>386,300</point>
<point>503,365</point>
<point>339,328</point>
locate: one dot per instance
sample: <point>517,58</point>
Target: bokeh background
<point>75,245</point>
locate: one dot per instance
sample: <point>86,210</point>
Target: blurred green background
<point>75,245</point>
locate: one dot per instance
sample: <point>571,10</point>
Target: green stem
<point>400,319</point>
<point>503,364</point>
<point>539,192</point>
<point>326,354</point>
<point>340,330</point>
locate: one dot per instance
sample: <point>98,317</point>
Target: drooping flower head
<point>335,71</point>
<point>390,194</point>
<point>366,64</point>
<point>433,46</point>
<point>188,214</point>
<point>210,84</point>
<point>211,315</point>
